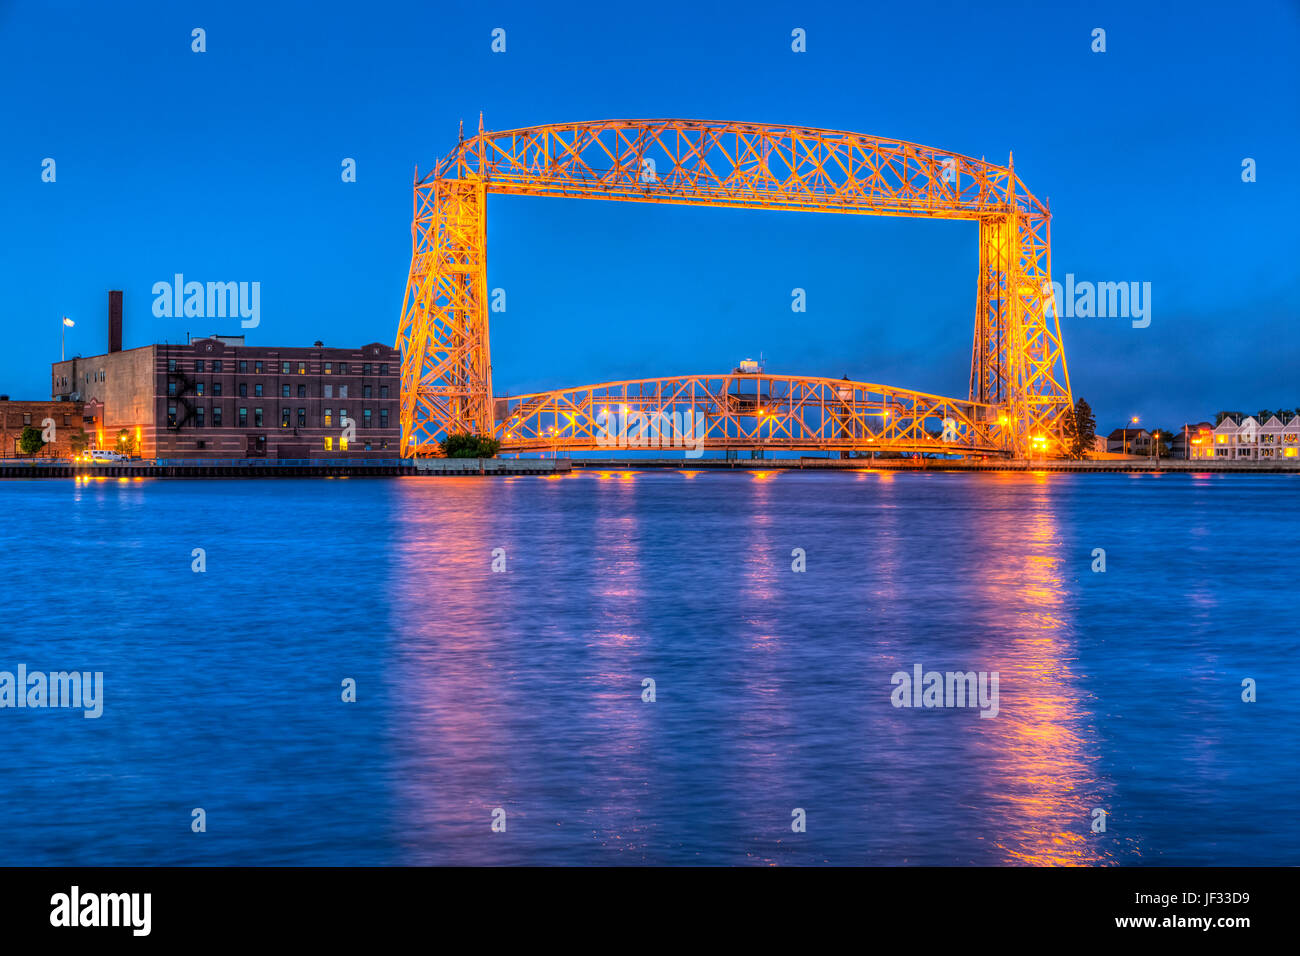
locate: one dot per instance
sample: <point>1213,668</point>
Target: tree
<point>1080,430</point>
<point>1160,442</point>
<point>30,441</point>
<point>125,442</point>
<point>78,442</point>
<point>464,445</point>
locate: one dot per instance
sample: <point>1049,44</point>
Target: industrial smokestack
<point>115,320</point>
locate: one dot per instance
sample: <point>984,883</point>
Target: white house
<point>1248,440</point>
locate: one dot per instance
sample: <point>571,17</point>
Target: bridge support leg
<point>1017,361</point>
<point>443,335</point>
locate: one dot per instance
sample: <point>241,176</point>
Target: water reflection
<point>521,688</point>
<point>772,684</point>
<point>1040,750</point>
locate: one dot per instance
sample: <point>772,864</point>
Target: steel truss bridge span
<point>739,410</point>
<point>1017,359</point>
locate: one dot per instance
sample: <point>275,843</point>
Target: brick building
<point>65,416</point>
<point>217,397</point>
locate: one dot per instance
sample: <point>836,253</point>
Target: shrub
<point>465,445</point>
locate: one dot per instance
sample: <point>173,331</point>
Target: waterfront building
<point>215,396</point>
<point>1193,441</point>
<point>62,419</point>
<point>1278,439</point>
<point>1245,438</point>
<point>1129,441</point>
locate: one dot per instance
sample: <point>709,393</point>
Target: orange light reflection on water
<point>1040,749</point>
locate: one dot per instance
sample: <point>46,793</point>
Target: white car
<point>103,455</point>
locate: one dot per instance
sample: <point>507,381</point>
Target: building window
<point>343,368</point>
<point>216,416</point>
<point>302,368</point>
<point>198,417</point>
<point>343,418</point>
<point>243,390</point>
<point>243,418</point>
<point>171,365</point>
<point>329,391</point>
<point>171,415</point>
<point>284,368</point>
<point>198,365</point>
<point>302,418</point>
<point>329,368</point>
<point>257,367</point>
<point>27,419</point>
<point>329,443</point>
<point>365,417</point>
<point>343,443</point>
<point>199,388</point>
<point>365,369</point>
<point>257,418</point>
<point>329,417</point>
<point>302,391</point>
<point>343,391</point>
<point>284,391</point>
<point>284,418</point>
<point>216,388</point>
<point>216,365</point>
<point>171,389</point>
<point>383,418</point>
<point>257,390</point>
<point>383,391</point>
<point>243,366</point>
<point>67,420</point>
<point>383,369</point>
<point>365,391</point>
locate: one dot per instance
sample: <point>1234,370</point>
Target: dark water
<point>522,690</point>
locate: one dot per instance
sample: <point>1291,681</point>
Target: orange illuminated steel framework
<point>1019,386</point>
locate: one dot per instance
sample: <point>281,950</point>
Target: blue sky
<point>225,166</point>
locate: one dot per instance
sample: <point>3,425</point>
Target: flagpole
<point>63,335</point>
